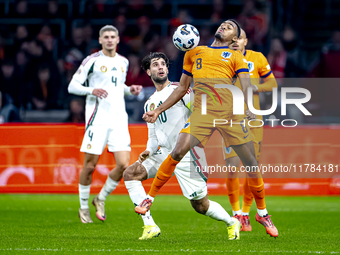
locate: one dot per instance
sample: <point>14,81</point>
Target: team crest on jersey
<point>152,107</point>
<point>227,149</point>
<point>89,146</point>
<point>186,125</point>
<point>79,71</point>
<point>250,66</point>
<point>226,54</point>
<point>103,69</point>
<point>122,69</point>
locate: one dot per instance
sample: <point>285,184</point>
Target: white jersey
<point>109,73</point>
<point>170,122</point>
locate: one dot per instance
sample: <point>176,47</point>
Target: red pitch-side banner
<point>45,158</point>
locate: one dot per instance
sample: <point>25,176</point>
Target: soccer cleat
<point>144,206</point>
<point>268,224</point>
<point>234,231</point>
<point>84,215</point>
<point>100,208</point>
<point>245,223</point>
<point>150,232</point>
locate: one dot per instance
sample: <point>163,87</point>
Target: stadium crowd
<point>42,44</point>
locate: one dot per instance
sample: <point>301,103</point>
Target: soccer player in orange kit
<point>258,68</point>
<point>211,65</point>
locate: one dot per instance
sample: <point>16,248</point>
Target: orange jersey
<point>211,65</point>
<point>258,68</point>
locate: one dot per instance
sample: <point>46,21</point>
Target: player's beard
<point>160,80</point>
<point>218,36</point>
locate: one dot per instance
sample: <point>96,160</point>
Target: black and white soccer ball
<point>186,37</point>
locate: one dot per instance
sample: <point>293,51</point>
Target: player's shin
<point>256,186</point>
<point>109,186</point>
<point>137,194</point>
<point>164,173</point>
<point>247,198</point>
<point>84,195</point>
<point>217,212</point>
<point>233,188</point>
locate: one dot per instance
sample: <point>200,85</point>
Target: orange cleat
<point>268,224</point>
<point>245,224</point>
<point>144,206</point>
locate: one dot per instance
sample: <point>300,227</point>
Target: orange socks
<point>247,197</point>
<point>256,186</point>
<point>164,173</point>
<point>233,188</point>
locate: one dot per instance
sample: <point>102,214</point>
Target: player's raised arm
<point>267,76</point>
<point>178,93</point>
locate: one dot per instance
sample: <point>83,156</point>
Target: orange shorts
<point>257,134</point>
<point>235,132</point>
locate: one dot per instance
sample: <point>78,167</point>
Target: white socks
<point>262,213</point>
<point>239,212</point>
<point>137,195</point>
<point>217,212</point>
<point>84,195</point>
<point>245,213</point>
<point>109,186</point>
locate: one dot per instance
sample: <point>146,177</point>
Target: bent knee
<point>135,172</point>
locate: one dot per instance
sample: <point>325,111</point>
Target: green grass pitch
<point>49,224</point>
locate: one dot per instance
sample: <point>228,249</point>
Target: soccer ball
<point>186,37</point>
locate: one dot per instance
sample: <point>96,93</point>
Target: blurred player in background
<point>162,139</point>
<point>101,78</point>
<point>258,68</point>
<point>210,65</point>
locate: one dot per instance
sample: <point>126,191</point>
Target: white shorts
<point>96,138</point>
<point>192,182</point>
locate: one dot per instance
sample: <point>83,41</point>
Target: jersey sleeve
<point>264,68</point>
<point>76,85</point>
<point>187,63</point>
<point>241,64</point>
<point>152,144</point>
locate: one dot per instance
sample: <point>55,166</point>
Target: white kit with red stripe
<point>109,73</point>
<point>163,136</point>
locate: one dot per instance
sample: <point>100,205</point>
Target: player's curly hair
<point>147,60</point>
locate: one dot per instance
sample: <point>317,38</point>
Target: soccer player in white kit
<point>162,138</point>
<point>101,78</point>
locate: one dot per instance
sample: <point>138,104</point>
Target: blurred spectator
<point>295,65</point>
<point>53,10</point>
<point>183,17</point>
<point>11,84</point>
<point>92,45</point>
<point>136,8</point>
<point>44,89</point>
<point>2,48</point>
<point>121,24</point>
<point>21,35</point>
<point>9,112</point>
<point>176,60</point>
<point>218,9</point>
<point>46,37</point>
<point>328,66</point>
<point>78,40</point>
<point>21,9</point>
<point>277,59</point>
<point>77,110</point>
<point>206,37</point>
<point>135,74</point>
<point>254,23</point>
<point>158,10</point>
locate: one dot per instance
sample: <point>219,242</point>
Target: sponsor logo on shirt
<point>122,69</point>
<point>186,125</point>
<point>103,69</point>
<point>227,150</point>
<point>114,69</point>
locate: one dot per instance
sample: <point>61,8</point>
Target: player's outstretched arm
<point>178,93</point>
<point>245,84</point>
